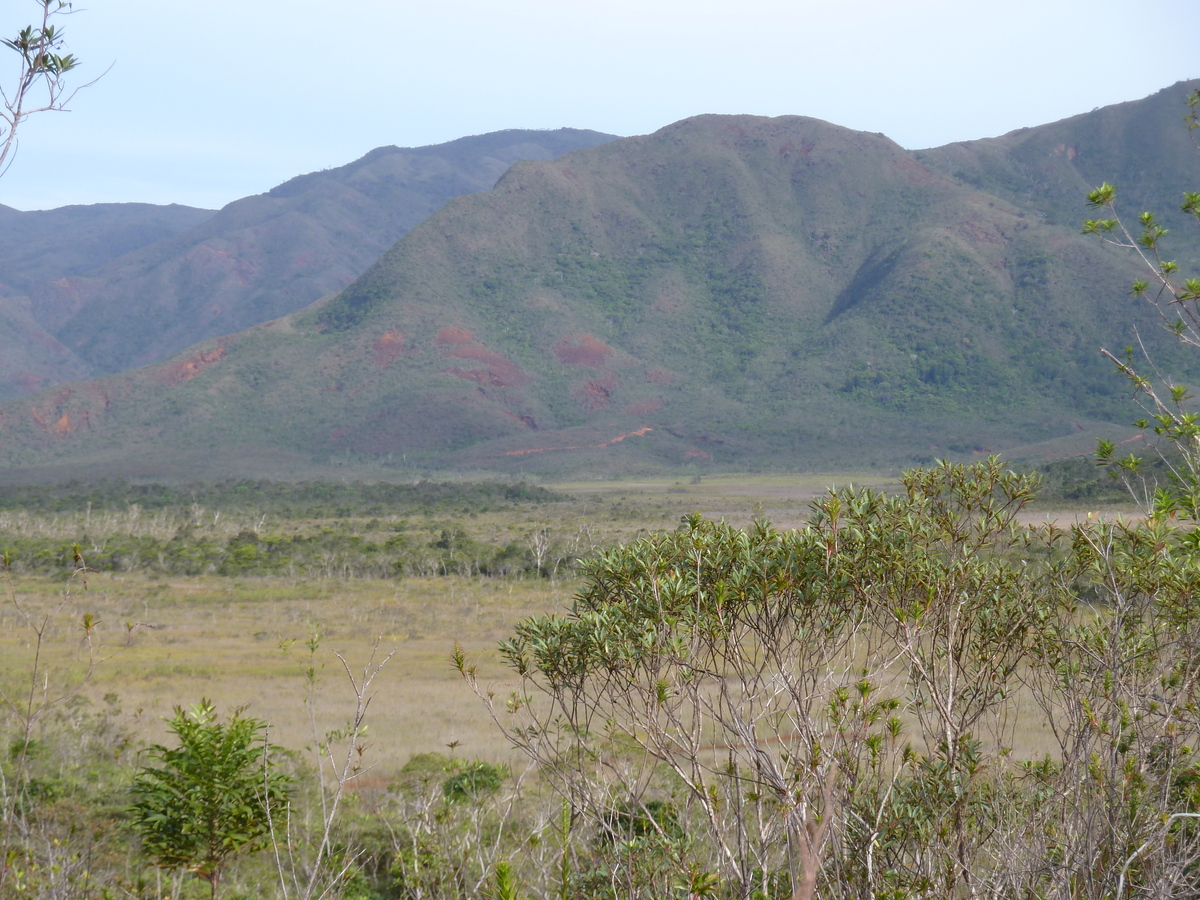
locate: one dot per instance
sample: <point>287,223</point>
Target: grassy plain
<point>240,640</point>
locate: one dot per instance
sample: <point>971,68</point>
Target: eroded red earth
<point>582,350</point>
<point>497,370</point>
<point>187,369</point>
<point>54,418</point>
<point>596,393</point>
<point>608,443</point>
<point>388,348</point>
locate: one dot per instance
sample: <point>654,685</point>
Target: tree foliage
<point>1176,298</point>
<point>208,800</point>
<point>912,695</point>
<point>43,65</point>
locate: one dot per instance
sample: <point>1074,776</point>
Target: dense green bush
<point>202,804</point>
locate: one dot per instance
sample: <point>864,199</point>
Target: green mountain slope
<point>30,358</point>
<point>43,245</point>
<point>727,291</point>
<point>47,245</point>
<point>1141,146</point>
<point>264,256</point>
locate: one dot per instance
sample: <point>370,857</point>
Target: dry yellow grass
<point>221,639</point>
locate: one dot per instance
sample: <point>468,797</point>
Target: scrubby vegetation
<point>911,695</point>
<point>285,499</point>
<point>309,530</point>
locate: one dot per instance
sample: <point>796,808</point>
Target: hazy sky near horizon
<point>208,102</point>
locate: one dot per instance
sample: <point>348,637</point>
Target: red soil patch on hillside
<point>497,371</point>
<point>388,348</point>
<point>628,434</point>
<point>608,443</point>
<point>59,421</point>
<point>500,372</point>
<point>528,421</point>
<point>596,393</point>
<point>70,422</point>
<point>454,335</point>
<point>187,369</point>
<point>582,350</point>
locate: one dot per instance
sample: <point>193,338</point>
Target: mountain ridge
<point>266,255</point>
<point>729,291</point>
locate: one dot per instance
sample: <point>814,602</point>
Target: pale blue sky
<point>210,101</point>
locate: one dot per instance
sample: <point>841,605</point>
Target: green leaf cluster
<point>209,800</point>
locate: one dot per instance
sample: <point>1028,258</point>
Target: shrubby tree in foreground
<point>914,695</point>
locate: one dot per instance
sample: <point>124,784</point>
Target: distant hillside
<point>30,357</point>
<point>43,245</point>
<point>271,254</point>
<point>730,291</point>
<point>1141,146</point>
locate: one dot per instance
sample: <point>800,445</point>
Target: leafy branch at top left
<point>41,83</point>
